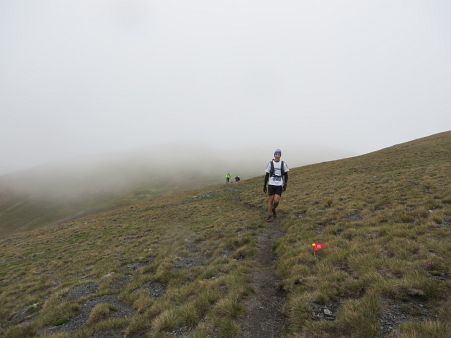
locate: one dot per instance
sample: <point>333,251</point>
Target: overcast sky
<point>100,76</point>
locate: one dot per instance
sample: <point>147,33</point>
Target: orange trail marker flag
<point>318,246</point>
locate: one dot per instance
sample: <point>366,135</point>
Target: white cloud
<point>84,76</point>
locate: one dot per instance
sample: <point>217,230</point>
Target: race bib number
<point>277,178</point>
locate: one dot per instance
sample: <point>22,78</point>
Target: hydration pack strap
<point>271,172</point>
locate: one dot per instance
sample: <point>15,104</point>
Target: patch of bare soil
<point>155,288</point>
<point>323,312</point>
<point>121,310</point>
<point>80,291</point>
<point>120,282</point>
<point>112,333</point>
<point>264,316</point>
<point>355,216</point>
<point>181,332</point>
<point>395,313</point>
<point>189,262</point>
<point>133,266</point>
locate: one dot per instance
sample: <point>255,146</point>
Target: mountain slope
<point>386,217</point>
<point>52,193</point>
<point>183,264</point>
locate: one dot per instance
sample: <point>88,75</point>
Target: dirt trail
<point>264,317</point>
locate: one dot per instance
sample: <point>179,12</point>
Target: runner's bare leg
<point>276,201</point>
<point>270,204</point>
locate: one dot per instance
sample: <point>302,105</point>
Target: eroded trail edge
<point>264,316</point>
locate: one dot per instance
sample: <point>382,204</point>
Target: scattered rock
<point>149,259</point>
<point>192,245</point>
<point>355,217</point>
<point>119,283</point>
<point>445,224</point>
<point>134,266</point>
<point>189,262</point>
<point>299,281</point>
<point>226,253</point>
<point>137,265</point>
<point>415,292</point>
<point>439,276</point>
<point>155,288</point>
<point>327,312</point>
<point>181,332</point>
<point>301,214</point>
<point>108,275</point>
<point>263,316</point>
<point>111,333</point>
<point>323,312</point>
<point>319,228</point>
<point>207,195</point>
<point>80,291</point>
<point>393,314</point>
<point>121,310</point>
<point>372,235</point>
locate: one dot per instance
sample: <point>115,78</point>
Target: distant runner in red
<point>276,180</point>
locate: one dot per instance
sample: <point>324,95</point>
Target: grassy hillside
<point>51,193</point>
<point>174,263</point>
<point>182,265</point>
<point>386,217</point>
<point>22,211</point>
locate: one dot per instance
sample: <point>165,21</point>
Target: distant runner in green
<point>228,176</point>
<point>276,180</point>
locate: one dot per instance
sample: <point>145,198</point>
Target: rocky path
<point>264,317</point>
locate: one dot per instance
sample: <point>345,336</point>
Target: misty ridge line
<point>157,167</point>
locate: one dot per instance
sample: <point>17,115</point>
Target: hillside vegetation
<point>386,217</point>
<point>182,265</point>
<point>52,193</point>
<point>22,211</point>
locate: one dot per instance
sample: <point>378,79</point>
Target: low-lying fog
<point>159,167</point>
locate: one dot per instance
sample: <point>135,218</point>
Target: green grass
<point>27,211</point>
<point>41,266</point>
<point>386,217</point>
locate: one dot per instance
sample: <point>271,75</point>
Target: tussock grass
<point>99,312</point>
<point>197,249</point>
<point>386,217</point>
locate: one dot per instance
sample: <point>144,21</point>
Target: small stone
<point>299,281</point>
<point>327,312</point>
<point>415,292</point>
<point>109,274</point>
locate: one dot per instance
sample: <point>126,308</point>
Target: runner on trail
<point>227,177</point>
<point>276,179</point>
